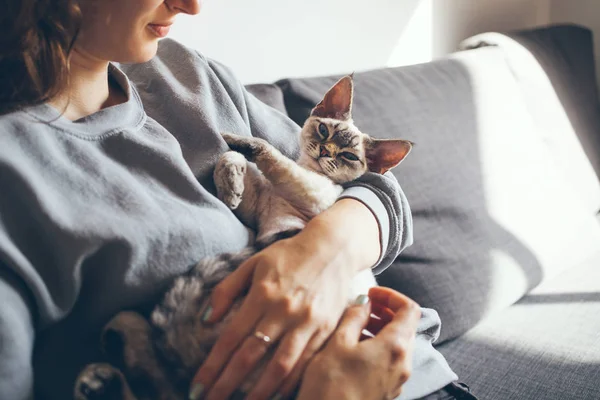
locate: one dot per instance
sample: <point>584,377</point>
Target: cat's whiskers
<point>328,165</point>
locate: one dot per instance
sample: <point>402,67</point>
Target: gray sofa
<point>504,189</point>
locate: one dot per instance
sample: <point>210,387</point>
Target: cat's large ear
<point>337,103</point>
<point>384,154</point>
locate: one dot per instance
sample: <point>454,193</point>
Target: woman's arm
<point>351,231</point>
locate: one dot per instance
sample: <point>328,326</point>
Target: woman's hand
<point>375,368</point>
<point>298,292</point>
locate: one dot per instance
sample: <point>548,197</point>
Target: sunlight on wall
<point>416,41</point>
<point>265,40</point>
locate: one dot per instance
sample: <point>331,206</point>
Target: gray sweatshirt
<point>98,215</point>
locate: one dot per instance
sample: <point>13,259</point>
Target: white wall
<point>263,40</point>
<point>585,12</point>
<point>455,20</point>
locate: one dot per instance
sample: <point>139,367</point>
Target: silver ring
<point>262,337</point>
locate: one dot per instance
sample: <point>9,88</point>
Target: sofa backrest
<point>554,70</point>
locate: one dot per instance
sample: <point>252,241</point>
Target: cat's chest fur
<point>281,196</point>
<point>316,194</point>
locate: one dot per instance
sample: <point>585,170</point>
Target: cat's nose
<point>328,150</point>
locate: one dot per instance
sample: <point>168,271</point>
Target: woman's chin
<point>144,53</point>
<point>149,52</point>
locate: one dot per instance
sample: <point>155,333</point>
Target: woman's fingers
<point>374,326</point>
<point>353,322</point>
<point>380,317</point>
<point>389,298</point>
<point>397,336</point>
<point>404,324</point>
<point>375,368</point>
<point>382,312</point>
<point>291,382</point>
<point>246,358</point>
<point>226,292</point>
<point>240,327</point>
<point>406,312</point>
<point>399,333</point>
<point>294,349</point>
<point>347,333</point>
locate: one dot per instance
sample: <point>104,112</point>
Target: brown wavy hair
<point>35,49</point>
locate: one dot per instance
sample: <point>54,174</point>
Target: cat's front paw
<point>229,176</point>
<point>102,382</point>
<point>250,147</point>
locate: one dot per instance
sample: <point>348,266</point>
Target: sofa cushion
<point>492,212</point>
<point>554,70</point>
<point>546,346</point>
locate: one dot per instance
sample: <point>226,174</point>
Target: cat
<point>156,359</point>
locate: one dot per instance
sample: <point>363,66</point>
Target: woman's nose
<point>191,7</point>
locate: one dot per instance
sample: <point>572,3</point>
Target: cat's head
<point>331,144</point>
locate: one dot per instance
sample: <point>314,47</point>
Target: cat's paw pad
<point>231,192</point>
<point>231,200</point>
<point>229,179</point>
<point>100,382</point>
<point>249,146</point>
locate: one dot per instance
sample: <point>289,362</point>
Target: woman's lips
<point>159,30</point>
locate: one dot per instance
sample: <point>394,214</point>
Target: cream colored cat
<point>273,194</point>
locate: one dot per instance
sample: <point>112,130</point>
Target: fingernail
<point>196,391</point>
<point>278,396</point>
<point>361,300</point>
<point>207,313</point>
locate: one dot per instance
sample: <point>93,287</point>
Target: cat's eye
<point>349,156</point>
<point>323,131</point>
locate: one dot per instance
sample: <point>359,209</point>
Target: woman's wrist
<point>347,232</point>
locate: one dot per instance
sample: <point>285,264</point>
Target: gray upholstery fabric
<point>554,69</point>
<point>269,94</point>
<point>491,215</point>
<point>545,347</point>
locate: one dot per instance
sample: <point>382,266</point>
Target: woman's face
<point>128,31</point>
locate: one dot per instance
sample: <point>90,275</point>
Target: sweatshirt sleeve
<point>16,338</point>
<point>379,193</point>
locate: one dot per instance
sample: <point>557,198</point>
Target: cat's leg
<point>128,343</point>
<point>102,382</point>
<point>287,223</point>
<point>212,270</point>
<point>229,175</point>
<point>302,188</point>
<point>239,185</point>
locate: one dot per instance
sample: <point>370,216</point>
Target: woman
<point>107,195</point>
